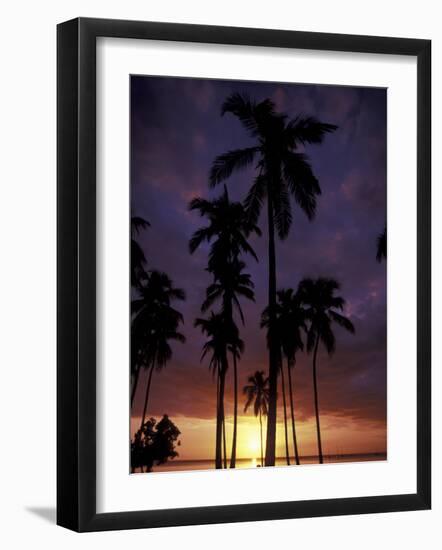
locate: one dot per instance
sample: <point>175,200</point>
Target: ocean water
<point>192,465</point>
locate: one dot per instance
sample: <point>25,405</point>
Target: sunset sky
<point>176,132</point>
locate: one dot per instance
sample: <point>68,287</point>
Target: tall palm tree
<point>381,245</point>
<point>282,172</point>
<point>230,284</point>
<point>214,327</point>
<point>321,305</point>
<point>137,257</point>
<point>290,322</point>
<point>266,323</point>
<point>228,231</point>
<point>257,392</point>
<point>155,324</point>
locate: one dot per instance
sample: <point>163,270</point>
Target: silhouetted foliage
<point>321,304</point>
<point>154,443</point>
<point>291,324</point>
<point>228,230</point>
<point>137,257</point>
<point>217,344</point>
<point>381,246</point>
<point>155,324</point>
<point>257,393</point>
<point>282,173</point>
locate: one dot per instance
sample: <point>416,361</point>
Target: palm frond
<point>282,211</point>
<point>137,223</point>
<point>328,338</point>
<point>302,182</point>
<point>225,164</point>
<point>203,206</point>
<point>255,198</point>
<point>303,130</point>
<point>253,116</point>
<point>342,321</point>
<point>200,235</point>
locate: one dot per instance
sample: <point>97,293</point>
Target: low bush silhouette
<point>154,444</point>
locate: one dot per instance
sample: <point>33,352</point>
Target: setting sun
<point>253,447</point>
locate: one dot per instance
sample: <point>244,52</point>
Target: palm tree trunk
<point>273,351</point>
<point>260,431</point>
<point>220,418</point>
<point>219,423</point>
<point>134,386</point>
<point>287,454</point>
<point>235,411</point>
<point>292,409</point>
<point>224,441</point>
<point>217,441</point>
<point>315,389</point>
<point>146,398</point>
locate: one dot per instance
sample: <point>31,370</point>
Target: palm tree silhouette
<point>283,172</point>
<point>381,245</point>
<point>290,321</point>
<point>214,327</point>
<point>265,323</point>
<point>137,257</point>
<point>320,302</point>
<point>230,283</point>
<point>228,231</point>
<point>155,324</point>
<point>257,392</point>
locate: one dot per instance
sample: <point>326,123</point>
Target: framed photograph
<point>238,340</point>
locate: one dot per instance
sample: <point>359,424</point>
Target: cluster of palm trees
<point>307,314</point>
<point>227,229</point>
<point>293,320</point>
<point>154,320</point>
<point>283,175</point>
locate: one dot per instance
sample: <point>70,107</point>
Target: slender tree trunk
<point>134,386</point>
<point>315,389</point>
<point>224,441</point>
<point>260,431</point>
<point>222,391</point>
<point>146,398</point>
<point>235,411</point>
<point>287,454</point>
<point>217,440</point>
<point>220,416</point>
<point>273,351</point>
<point>292,408</point>
<point>219,423</point>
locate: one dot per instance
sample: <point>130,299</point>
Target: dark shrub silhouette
<point>154,444</point>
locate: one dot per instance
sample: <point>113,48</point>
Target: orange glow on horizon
<point>340,435</point>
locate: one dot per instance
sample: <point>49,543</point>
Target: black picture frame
<point>76,274</point>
